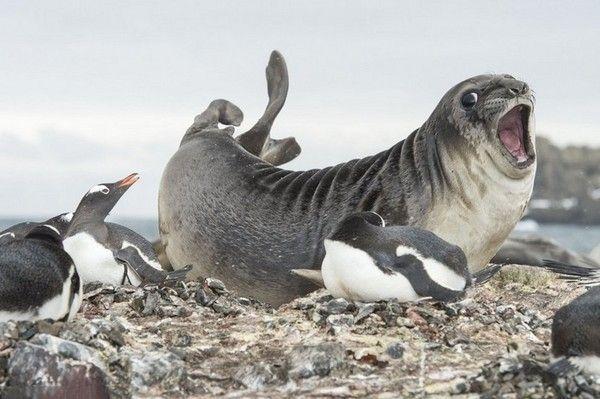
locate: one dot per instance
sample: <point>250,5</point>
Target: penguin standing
<point>60,223</point>
<point>368,261</point>
<point>108,252</point>
<point>38,279</point>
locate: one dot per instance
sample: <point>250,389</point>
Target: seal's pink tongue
<point>510,130</point>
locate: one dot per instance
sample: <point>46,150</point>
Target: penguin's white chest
<point>93,260</point>
<point>351,273</point>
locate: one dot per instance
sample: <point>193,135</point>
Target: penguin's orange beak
<point>129,180</point>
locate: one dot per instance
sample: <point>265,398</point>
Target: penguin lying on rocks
<point>38,279</point>
<point>60,223</point>
<point>367,261</point>
<point>576,335</point>
<point>108,252</point>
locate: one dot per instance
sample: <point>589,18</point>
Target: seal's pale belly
<point>479,221</point>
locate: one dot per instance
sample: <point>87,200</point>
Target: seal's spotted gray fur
<point>240,219</point>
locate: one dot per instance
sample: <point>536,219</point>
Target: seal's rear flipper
<point>218,111</point>
<point>257,140</point>
<point>314,276</point>
<point>278,152</point>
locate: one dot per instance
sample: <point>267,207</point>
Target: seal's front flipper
<point>218,111</point>
<point>257,140</point>
<point>146,273</point>
<point>314,276</point>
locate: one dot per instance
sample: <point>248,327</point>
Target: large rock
<point>34,372</point>
<point>567,182</point>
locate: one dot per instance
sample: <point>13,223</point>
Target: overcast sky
<point>92,91</point>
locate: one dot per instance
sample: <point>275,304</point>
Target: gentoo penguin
<point>368,261</point>
<point>60,223</point>
<point>576,334</point>
<point>38,279</point>
<point>108,252</point>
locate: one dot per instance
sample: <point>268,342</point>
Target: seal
<point>108,252</point>
<point>38,279</point>
<point>466,175</point>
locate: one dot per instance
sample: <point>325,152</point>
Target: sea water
<point>578,238</point>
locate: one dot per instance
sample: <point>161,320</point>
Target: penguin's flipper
<point>485,274</point>
<point>584,276</point>
<point>46,233</point>
<point>257,140</point>
<point>146,273</point>
<point>177,275</point>
<point>314,276</point>
<point>561,367</point>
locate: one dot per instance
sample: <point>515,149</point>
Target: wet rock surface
<point>198,339</point>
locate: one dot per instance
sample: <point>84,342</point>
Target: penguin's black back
<point>576,326</point>
<point>32,271</point>
<point>381,244</point>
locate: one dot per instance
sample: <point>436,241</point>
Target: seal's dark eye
<point>469,100</point>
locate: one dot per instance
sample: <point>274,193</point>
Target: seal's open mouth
<point>513,132</point>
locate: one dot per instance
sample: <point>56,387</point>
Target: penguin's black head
<point>61,222</point>
<point>357,222</point>
<point>97,203</point>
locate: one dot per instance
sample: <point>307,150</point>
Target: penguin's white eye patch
<point>67,217</point>
<point>99,188</point>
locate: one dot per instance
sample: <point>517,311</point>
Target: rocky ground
<point>199,340</point>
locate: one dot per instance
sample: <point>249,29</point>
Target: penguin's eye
<point>99,188</point>
<point>469,100</point>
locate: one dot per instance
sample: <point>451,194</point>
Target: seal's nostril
<point>525,88</point>
<point>514,91</point>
